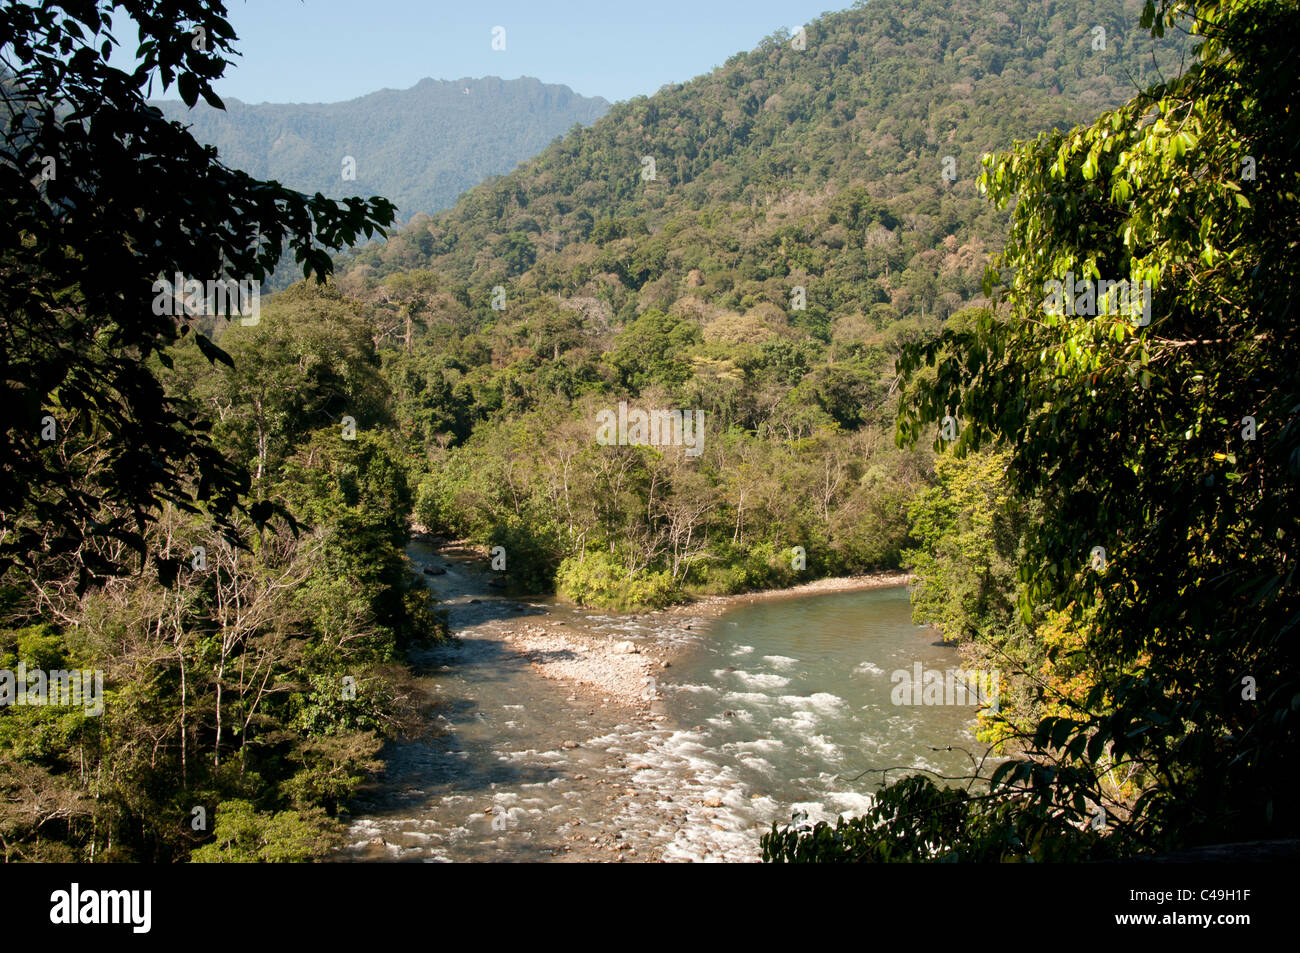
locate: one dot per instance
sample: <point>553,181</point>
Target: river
<point>770,708</point>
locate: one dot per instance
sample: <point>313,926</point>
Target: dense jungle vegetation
<point>834,247</point>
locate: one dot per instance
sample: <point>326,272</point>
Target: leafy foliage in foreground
<point>249,659</point>
<point>97,190</point>
<point>1173,446</point>
<point>916,821</point>
<point>259,686</point>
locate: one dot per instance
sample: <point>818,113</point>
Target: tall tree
<point>103,198</point>
<point>1163,444</point>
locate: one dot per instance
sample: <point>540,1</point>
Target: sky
<point>308,51</point>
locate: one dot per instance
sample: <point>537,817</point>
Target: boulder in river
<point>434,571</point>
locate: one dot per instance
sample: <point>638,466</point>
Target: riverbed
<point>564,734</point>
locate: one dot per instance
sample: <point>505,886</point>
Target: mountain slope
<point>419,147</point>
<point>755,163</point>
<point>811,211</point>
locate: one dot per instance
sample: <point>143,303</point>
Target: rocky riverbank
<point>620,672</point>
<point>623,672</point>
<point>716,605</point>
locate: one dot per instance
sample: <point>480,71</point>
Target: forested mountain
<point>821,156</point>
<point>756,244</point>
<point>420,147</point>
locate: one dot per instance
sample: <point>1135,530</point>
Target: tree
<point>307,364</point>
<point>103,197</point>
<point>653,349</point>
<point>244,836</point>
<point>1164,455</point>
<point>968,528</point>
<point>516,252</point>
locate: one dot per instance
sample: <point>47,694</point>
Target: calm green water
<point>782,706</point>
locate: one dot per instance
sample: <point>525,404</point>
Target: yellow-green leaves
<point>1183,143</point>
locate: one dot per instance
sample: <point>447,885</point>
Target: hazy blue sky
<point>328,50</point>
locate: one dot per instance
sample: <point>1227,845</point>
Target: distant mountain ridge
<point>419,147</point>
